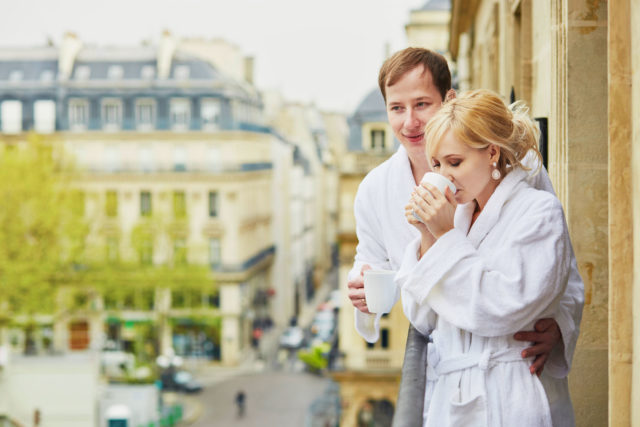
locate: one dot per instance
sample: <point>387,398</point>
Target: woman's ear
<point>494,153</point>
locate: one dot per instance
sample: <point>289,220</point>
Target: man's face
<point>411,102</point>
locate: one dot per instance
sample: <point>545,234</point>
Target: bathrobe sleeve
<point>505,288</point>
<point>370,250</point>
<point>569,312</point>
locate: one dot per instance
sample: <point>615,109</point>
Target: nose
<point>446,172</point>
<point>411,120</point>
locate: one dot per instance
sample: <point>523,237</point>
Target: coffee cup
<point>438,181</point>
<point>380,290</point>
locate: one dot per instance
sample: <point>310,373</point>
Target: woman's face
<point>468,168</point>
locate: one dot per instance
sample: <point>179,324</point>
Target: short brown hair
<point>406,60</point>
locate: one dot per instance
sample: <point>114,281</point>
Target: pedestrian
<point>240,403</point>
<point>415,83</point>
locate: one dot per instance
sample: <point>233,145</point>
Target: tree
<point>41,225</point>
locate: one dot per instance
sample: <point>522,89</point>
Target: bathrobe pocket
<point>468,413</point>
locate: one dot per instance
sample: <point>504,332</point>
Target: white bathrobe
<point>384,234</point>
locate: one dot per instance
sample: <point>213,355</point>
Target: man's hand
<point>356,291</point>
<point>546,335</point>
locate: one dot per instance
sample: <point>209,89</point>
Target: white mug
<point>438,181</point>
<point>379,290</point>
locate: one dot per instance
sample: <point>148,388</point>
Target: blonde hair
<point>479,118</point>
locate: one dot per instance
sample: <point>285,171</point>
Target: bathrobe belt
<point>485,360</point>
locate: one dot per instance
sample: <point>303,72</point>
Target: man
<point>414,84</point>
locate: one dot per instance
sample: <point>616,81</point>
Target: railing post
<point>410,403</point>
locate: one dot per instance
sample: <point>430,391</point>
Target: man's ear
<point>451,94</point>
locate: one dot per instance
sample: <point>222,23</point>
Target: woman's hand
<point>435,209</point>
<point>426,238</point>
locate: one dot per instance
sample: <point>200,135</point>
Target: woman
<point>491,260</point>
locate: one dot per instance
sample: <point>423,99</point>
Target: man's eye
<point>423,104</point>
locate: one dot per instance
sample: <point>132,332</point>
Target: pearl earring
<point>495,174</point>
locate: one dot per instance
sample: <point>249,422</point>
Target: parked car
<point>292,337</point>
<point>180,380</point>
<point>323,325</point>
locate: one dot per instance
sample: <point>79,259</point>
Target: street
<point>272,399</point>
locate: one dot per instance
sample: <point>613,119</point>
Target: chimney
<point>69,49</point>
<point>166,49</point>
<point>248,69</point>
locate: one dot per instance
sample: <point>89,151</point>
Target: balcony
<point>409,406</point>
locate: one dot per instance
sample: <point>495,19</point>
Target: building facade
<point>573,62</point>
<point>177,168</point>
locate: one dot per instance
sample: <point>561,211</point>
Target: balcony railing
<point>409,406</point>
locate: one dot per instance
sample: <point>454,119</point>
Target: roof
<point>436,5</point>
<point>371,104</point>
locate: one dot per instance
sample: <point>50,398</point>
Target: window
<point>44,112</point>
<point>46,76</point>
<point>83,72</point>
<point>78,203</point>
<point>146,159</point>
<point>111,204</point>
<point>146,251</point>
<point>145,114</point>
<point>213,204</point>
<point>179,159</point>
<point>179,252</point>
<point>378,139</point>
<point>145,203</point>
<point>210,114</point>
<point>112,163</point>
<point>78,114</point>
<point>148,72</point>
<point>179,114</point>
<point>16,76</point>
<point>111,114</point>
<point>182,72</point>
<point>215,253</point>
<point>384,338</point>
<point>383,342</point>
<point>214,159</point>
<point>213,299</point>
<point>115,72</point>
<point>113,249</point>
<point>11,116</point>
<point>179,204</point>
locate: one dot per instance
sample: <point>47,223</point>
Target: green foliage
<point>41,227</point>
<point>44,229</point>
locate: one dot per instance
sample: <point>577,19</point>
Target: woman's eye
<point>454,164</point>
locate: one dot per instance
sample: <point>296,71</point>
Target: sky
<point>325,52</point>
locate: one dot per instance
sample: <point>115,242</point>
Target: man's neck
<point>418,168</point>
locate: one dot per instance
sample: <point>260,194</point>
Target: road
<point>272,399</point>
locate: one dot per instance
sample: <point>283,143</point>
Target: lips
<point>415,138</point>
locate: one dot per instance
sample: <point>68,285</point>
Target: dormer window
<point>148,72</point>
<point>46,76</point>
<point>376,137</point>
<point>16,76</point>
<point>182,72</point>
<point>83,72</point>
<point>115,72</point>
